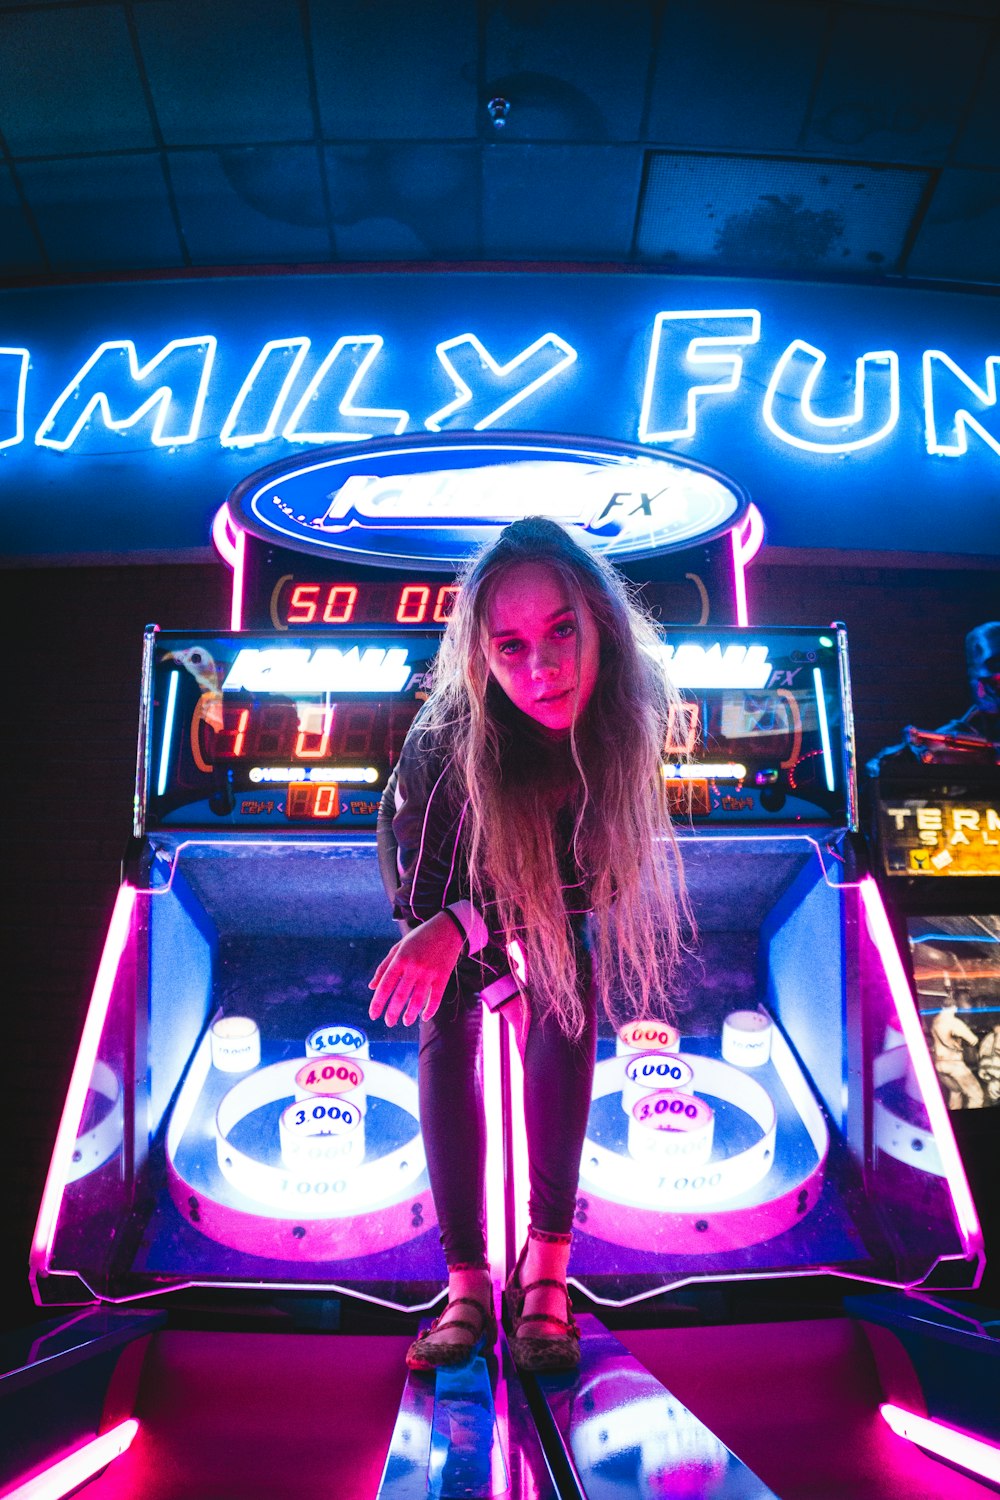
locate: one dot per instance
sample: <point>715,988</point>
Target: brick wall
<point>73,680</point>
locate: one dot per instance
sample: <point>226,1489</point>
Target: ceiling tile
<point>894,86</point>
<point>20,253</point>
<point>102,211</point>
<point>70,83</point>
<point>774,216</point>
<point>251,205</point>
<point>232,72</point>
<point>572,70</point>
<point>395,70</point>
<point>979,144</point>
<point>734,75</point>
<point>948,7</point>
<point>400,202</point>
<point>560,202</point>
<point>960,234</point>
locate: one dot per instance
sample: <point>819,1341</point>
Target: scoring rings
<point>670,1185</point>
<point>322,1189</point>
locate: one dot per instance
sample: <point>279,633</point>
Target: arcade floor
<point>259,1416</point>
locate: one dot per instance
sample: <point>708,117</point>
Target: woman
<point>534,855</point>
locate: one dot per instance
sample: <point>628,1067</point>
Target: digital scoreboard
<point>305,727</point>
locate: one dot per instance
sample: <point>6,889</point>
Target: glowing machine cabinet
<point>234,1119</point>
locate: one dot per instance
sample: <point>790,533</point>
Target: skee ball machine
<point>235,1121</point>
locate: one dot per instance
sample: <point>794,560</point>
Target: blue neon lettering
<point>330,394</point>
<point>480,381</point>
<point>13,384</point>
<point>792,386</point>
<point>946,425</point>
<point>164,398</point>
<point>254,415</point>
<point>108,383</point>
<point>669,400</point>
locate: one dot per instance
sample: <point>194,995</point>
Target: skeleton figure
<point>948,1032</point>
<point>989,1064</point>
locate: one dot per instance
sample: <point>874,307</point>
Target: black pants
<point>558,1076</point>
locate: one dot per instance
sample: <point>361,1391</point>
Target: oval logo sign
<point>425,502</point>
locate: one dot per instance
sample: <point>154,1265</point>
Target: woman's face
<point>536,635</point>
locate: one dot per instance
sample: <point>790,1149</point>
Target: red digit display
<point>683,723</point>
<point>340,602</point>
<point>305,598</point>
<point>313,739</point>
<point>413,602</point>
<point>357,725</point>
<point>445,603</point>
<point>318,603</point>
<point>277,726</point>
<point>306,799</point>
<point>230,739</point>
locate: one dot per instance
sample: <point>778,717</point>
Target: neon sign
<point>325,669</point>
<point>423,502</point>
<point>876,401</point>
<point>129,410</point>
<point>115,389</point>
<point>516,380</point>
<point>693,666</point>
<point>105,381</point>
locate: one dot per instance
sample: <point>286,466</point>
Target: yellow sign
<point>926,836</point>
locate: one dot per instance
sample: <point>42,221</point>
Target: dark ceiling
<point>775,137</point>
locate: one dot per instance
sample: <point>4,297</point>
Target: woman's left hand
<point>410,981</point>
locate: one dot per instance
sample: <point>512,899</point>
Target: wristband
<point>98,1144</point>
<point>471,925</point>
<point>647,1036</point>
<point>648,1072</point>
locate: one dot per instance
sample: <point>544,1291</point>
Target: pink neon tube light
<point>492,1101</point>
<point>747,539</point>
<point>69,1472</point>
<point>963,1448</point>
<point>230,543</point>
<point>913,1035</point>
<point>76,1098</point>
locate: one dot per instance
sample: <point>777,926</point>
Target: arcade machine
<point>237,1127</point>
<point>934,819</point>
<point>788,1125</point>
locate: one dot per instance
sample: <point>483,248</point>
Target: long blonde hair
<point>622,840</point>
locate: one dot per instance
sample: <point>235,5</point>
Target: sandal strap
<point>485,1317</point>
<point>476,1328</point>
<point>569,1326</point>
<point>473,1302</point>
<point>543,1281</point>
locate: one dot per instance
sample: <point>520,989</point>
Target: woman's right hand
<point>410,981</point>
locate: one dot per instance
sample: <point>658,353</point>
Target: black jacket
<point>423,853</point>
